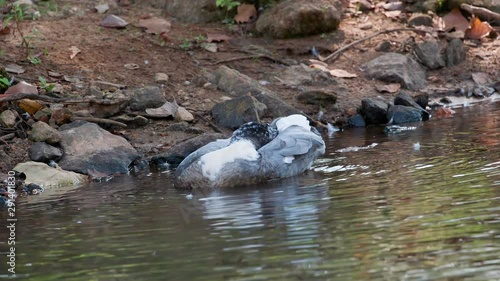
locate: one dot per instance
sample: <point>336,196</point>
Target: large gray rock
<point>42,152</point>
<point>396,68</point>
<point>175,154</point>
<point>404,114</point>
<point>321,98</point>
<point>41,131</point>
<point>374,111</point>
<point>238,111</point>
<point>146,97</point>
<point>300,18</point>
<point>88,147</point>
<point>455,52</point>
<point>303,75</point>
<point>429,53</point>
<point>195,11</point>
<point>237,84</point>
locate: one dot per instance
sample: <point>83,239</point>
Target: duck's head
<point>258,134</point>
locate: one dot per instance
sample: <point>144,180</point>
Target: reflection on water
<point>420,205</point>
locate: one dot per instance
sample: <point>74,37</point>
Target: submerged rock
<point>300,18</point>
<point>88,147</point>
<point>396,68</point>
<point>46,176</point>
<point>399,114</point>
<point>238,111</point>
<point>356,121</point>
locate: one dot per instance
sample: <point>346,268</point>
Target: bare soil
<point>105,51</point>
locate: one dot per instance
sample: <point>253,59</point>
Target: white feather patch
<point>212,163</point>
<point>295,119</point>
<point>288,159</point>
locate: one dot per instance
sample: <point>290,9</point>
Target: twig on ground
<point>482,13</point>
<point>100,120</point>
<point>20,96</point>
<point>252,56</point>
<point>7,137</point>
<point>335,54</point>
<point>212,125</point>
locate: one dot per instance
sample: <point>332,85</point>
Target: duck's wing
<point>212,146</point>
<point>292,152</point>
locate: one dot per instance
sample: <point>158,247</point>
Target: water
<point>420,205</point>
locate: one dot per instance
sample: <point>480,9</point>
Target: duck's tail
<point>295,119</point>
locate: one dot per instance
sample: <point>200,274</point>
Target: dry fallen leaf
<point>321,67</point>
<point>477,29</point>
<point>390,88</point>
<point>444,111</point>
<point>21,88</point>
<point>313,62</point>
<point>14,68</point>
<point>155,25</point>
<point>74,51</point>
<point>112,21</point>
<point>30,106</point>
<point>481,78</point>
<point>246,12</point>
<point>340,73</point>
<point>455,19</point>
<point>216,38</point>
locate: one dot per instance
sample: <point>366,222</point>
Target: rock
<point>7,119</point>
<point>42,132</point>
<point>183,115</point>
<point>404,99</point>
<point>88,147</point>
<point>383,46</point>
<point>42,152</point>
<point>303,75</point>
<point>61,116</point>
<point>177,153</point>
<point>47,177</point>
<point>43,115</point>
<point>238,111</point>
<point>374,111</point>
<point>422,100</point>
<point>404,114</point>
<point>161,77</point>
<point>184,127</point>
<point>195,11</point>
<point>455,52</point>
<point>235,83</point>
<point>102,8</point>
<point>396,68</point>
<point>356,121</point>
<point>103,110</point>
<point>429,53</point>
<point>147,97</point>
<point>419,19</point>
<point>132,122</point>
<point>300,18</point>
<point>318,97</point>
